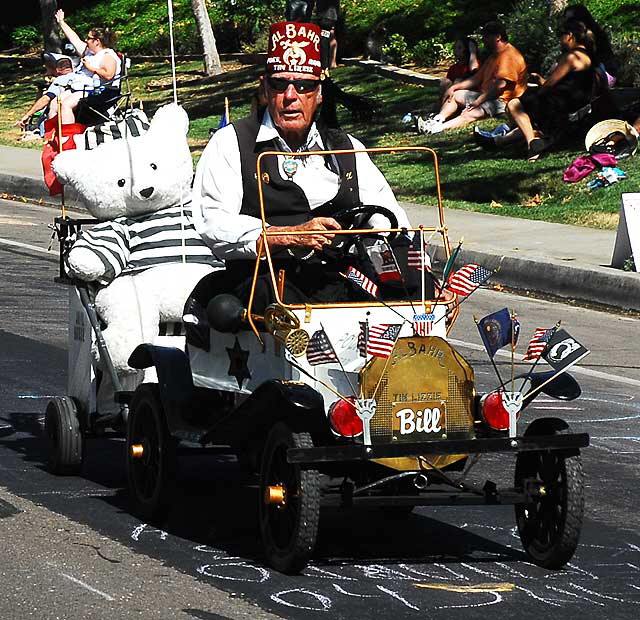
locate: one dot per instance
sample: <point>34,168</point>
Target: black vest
<point>285,202</point>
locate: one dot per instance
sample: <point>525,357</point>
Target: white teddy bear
<point>148,255</point>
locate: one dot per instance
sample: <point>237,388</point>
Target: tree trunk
<point>50,32</point>
<point>212,64</point>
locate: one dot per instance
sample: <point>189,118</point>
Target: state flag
<point>382,338</point>
<point>320,349</point>
<point>384,262</point>
<point>468,278</point>
<point>538,343</point>
<point>497,330</point>
<point>563,350</point>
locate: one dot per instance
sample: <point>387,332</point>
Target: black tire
<point>288,532</point>
<point>550,527</point>
<point>64,438</point>
<point>150,478</point>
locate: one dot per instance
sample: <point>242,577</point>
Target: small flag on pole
<point>382,338</point>
<point>320,350</point>
<point>497,330</point>
<point>225,119</point>
<point>423,324</point>
<point>538,343</point>
<point>452,259</point>
<point>362,281</point>
<point>416,255</point>
<point>468,278</point>
<point>362,338</point>
<point>563,350</point>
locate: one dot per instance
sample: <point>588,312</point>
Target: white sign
<point>628,235</point>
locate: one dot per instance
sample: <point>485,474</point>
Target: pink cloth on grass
<point>583,166</point>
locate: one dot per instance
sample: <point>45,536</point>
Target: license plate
<point>418,421</point>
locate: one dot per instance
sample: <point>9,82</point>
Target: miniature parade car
<point>348,403</point>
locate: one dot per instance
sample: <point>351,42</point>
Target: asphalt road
<point>70,549</point>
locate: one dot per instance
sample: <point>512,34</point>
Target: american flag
<point>414,255</point>
<point>468,278</point>
<point>382,338</point>
<point>320,349</point>
<point>423,324</point>
<point>362,281</point>
<point>538,343</point>
<point>362,338</point>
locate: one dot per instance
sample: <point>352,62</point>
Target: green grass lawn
<point>472,179</point>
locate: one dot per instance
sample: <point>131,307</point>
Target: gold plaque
<point>424,373</point>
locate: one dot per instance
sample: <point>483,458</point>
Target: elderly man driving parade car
<point>300,193</point>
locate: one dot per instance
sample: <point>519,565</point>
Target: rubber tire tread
<point>304,541</point>
<point>149,394</point>
<point>64,457</point>
<point>563,550</point>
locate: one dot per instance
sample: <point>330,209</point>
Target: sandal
<point>537,146</point>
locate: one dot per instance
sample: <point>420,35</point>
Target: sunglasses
<point>280,85</point>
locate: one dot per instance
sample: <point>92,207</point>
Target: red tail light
<point>344,419</point>
<point>493,412</point>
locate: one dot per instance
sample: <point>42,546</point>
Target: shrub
<point>627,50</point>
<point>396,51</point>
<point>25,37</point>
<point>534,33</point>
<point>431,52</point>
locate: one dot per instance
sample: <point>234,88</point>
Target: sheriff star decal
<point>238,363</point>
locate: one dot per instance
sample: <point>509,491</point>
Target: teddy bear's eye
<point>121,182</point>
<point>154,167</point>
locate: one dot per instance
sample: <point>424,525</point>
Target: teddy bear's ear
<point>69,165</point>
<point>170,118</point>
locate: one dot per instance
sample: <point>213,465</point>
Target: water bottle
<point>96,84</point>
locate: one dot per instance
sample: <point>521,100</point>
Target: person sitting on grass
<point>465,52</point>
<point>501,77</point>
<point>541,113</point>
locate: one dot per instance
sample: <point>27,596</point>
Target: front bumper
<point>568,443</point>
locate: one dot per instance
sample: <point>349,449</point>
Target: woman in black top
<point>608,62</point>
<point>568,88</point>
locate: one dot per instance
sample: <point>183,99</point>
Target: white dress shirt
<point>217,189</point>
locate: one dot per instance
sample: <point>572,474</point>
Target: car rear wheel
<point>289,502</point>
<point>151,455</point>
<point>64,438</point>
<point>550,526</point>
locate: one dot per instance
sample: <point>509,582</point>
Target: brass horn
<point>285,327</point>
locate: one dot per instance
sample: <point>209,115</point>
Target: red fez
<point>294,48</point>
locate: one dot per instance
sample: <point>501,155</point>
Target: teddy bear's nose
<point>146,192</point>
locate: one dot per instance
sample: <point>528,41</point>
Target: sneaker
<point>422,125</point>
<point>435,126</point>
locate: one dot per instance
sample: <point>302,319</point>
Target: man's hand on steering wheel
<point>312,242</point>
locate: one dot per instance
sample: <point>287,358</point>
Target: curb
<point>604,286</point>
<point>598,285</point>
<point>392,72</point>
<point>33,188</point>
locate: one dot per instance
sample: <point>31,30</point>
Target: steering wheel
<point>356,218</point>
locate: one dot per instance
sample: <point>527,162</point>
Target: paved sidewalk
<point>570,262</point>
